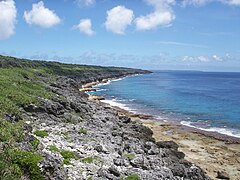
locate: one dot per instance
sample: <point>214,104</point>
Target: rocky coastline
<point>52,130</point>
<point>103,144</point>
<point>200,147</point>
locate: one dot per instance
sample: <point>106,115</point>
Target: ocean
<point>209,101</point>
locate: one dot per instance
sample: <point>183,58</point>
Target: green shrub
<point>68,155</point>
<point>53,148</point>
<point>82,131</point>
<point>129,156</point>
<point>28,160</point>
<point>19,87</point>
<point>11,132</point>
<point>35,142</point>
<point>14,162</point>
<point>8,169</point>
<point>41,133</point>
<point>133,177</point>
<point>89,178</point>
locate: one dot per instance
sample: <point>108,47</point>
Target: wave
<point>225,131</point>
<point>119,79</point>
<point>99,90</point>
<point>114,102</point>
<point>102,84</point>
<point>108,82</point>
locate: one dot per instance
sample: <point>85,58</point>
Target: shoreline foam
<point>223,131</point>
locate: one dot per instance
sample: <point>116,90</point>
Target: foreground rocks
<point>222,175</point>
<point>89,140</point>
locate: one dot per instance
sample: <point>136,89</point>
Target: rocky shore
<point>217,155</point>
<point>50,129</point>
<point>97,141</point>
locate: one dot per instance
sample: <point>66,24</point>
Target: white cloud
<point>203,2</point>
<point>196,59</point>
<point>41,16</point>
<point>85,2</point>
<point>85,27</point>
<point>8,13</point>
<point>195,2</point>
<point>174,43</point>
<point>118,18</point>
<point>213,58</point>
<point>232,2</point>
<point>163,15</point>
<point>217,58</point>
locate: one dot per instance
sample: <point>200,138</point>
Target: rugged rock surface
<point>105,145</point>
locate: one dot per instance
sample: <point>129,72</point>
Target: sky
<point>149,34</point>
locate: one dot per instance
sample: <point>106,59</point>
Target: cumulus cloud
<point>8,13</point>
<point>118,18</point>
<point>162,15</point>
<point>41,16</point>
<point>82,3</point>
<point>203,2</point>
<point>85,27</point>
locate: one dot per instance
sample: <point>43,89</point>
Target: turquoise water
<point>206,100</point>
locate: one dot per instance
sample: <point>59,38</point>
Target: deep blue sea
<point>205,100</point>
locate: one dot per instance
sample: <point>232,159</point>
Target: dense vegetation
<point>53,68</point>
<point>21,84</point>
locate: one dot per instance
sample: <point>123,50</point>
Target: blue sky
<point>149,34</point>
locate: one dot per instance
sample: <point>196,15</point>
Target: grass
<point>35,142</point>
<point>82,131</point>
<point>129,156</point>
<point>89,178</point>
<point>53,68</point>
<point>28,160</point>
<point>53,148</point>
<point>17,91</point>
<point>88,160</point>
<point>13,163</point>
<point>133,177</point>
<point>11,132</point>
<point>67,155</point>
<point>41,133</point>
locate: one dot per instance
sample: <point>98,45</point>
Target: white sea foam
<point>225,131</point>
<point>116,103</point>
<point>101,90</point>
<point>108,82</point>
<point>102,84</point>
<point>119,79</point>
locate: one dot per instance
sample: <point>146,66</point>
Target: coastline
<point>213,152</point>
<point>73,137</point>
